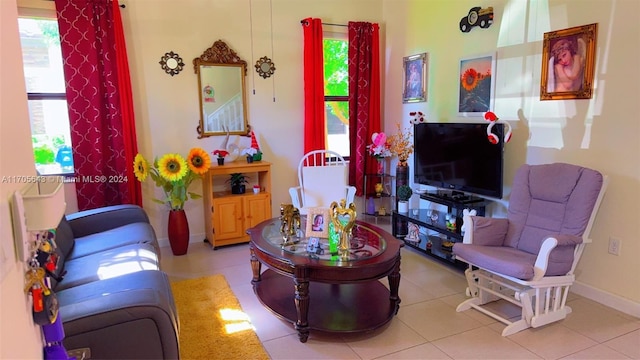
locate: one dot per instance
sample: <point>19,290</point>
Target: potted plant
<point>249,153</point>
<point>237,181</point>
<point>403,193</point>
<point>221,154</point>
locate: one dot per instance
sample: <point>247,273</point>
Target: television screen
<point>458,156</point>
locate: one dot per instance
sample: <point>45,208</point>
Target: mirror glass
<point>222,99</point>
<point>222,92</point>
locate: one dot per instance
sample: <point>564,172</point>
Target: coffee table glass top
<point>365,243</point>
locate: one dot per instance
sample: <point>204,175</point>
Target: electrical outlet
<point>614,246</point>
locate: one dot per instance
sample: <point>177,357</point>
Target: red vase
<point>178,232</point>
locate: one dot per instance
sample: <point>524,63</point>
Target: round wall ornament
<point>171,63</point>
<point>265,67</point>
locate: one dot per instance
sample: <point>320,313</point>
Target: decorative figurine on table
<point>289,220</point>
<point>343,220</point>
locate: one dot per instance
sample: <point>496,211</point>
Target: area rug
<point>212,323</point>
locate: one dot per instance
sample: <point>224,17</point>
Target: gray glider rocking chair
<point>530,257</point>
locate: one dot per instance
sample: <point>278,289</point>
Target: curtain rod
<point>121,5</point>
<point>304,22</point>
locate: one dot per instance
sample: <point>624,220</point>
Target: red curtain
<point>126,106</point>
<point>98,132</point>
<point>364,98</point>
<point>314,121</point>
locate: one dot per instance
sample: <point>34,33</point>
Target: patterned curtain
<point>364,98</point>
<point>88,43</point>
<point>314,118</point>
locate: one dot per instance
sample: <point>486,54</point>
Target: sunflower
<point>470,79</point>
<point>198,161</point>
<point>172,167</point>
<point>140,167</point>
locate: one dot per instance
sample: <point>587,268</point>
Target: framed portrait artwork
<point>476,82</point>
<point>568,61</point>
<point>414,78</point>
<point>318,223</point>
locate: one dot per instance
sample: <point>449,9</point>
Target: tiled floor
<point>427,325</point>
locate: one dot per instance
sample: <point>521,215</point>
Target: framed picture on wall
<point>568,61</point>
<point>476,82</point>
<point>318,223</point>
<point>414,78</point>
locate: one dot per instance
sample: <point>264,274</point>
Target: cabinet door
<point>227,218</point>
<point>257,208</point>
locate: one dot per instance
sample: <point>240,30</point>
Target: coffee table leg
<point>394,285</point>
<point>255,266</point>
<point>302,307</point>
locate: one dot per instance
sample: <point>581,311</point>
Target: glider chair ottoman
<point>530,257</point>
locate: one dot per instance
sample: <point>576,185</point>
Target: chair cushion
<point>550,199</point>
<point>501,259</point>
<point>136,233</point>
<point>323,185</point>
<point>108,264</point>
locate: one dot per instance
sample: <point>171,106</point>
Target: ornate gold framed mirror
<point>221,91</point>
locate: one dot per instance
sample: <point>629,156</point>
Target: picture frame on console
<point>568,62</point>
<point>476,83</point>
<point>318,223</point>
<point>414,78</point>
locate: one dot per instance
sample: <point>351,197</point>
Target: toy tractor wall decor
<point>477,17</point>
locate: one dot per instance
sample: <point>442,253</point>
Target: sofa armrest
<point>94,221</point>
<point>485,231</point>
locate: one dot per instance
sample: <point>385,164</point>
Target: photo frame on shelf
<point>568,62</point>
<point>414,78</point>
<point>476,83</point>
<point>318,223</point>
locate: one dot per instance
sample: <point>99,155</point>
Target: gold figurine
<point>341,212</point>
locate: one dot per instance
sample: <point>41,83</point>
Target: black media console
<point>438,236</point>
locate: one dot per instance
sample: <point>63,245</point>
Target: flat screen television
<point>459,157</point>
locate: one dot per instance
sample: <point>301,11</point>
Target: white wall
<point>20,338</point>
<point>601,133</point>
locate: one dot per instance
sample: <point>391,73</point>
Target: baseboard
<point>193,238</point>
<point>606,298</point>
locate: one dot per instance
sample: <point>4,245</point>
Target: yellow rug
<point>212,323</point>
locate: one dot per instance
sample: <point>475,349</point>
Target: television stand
<point>435,238</point>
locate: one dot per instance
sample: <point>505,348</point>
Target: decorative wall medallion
<point>171,63</point>
<point>265,67</point>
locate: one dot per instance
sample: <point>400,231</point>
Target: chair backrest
<point>323,178</point>
<point>552,199</point>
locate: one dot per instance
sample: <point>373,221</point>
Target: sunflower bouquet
<point>173,174</point>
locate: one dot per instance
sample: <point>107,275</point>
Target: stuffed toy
<point>466,213</point>
<point>492,119</point>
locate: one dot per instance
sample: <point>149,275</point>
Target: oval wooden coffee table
<point>321,291</point>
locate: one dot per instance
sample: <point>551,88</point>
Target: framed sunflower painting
<point>476,80</point>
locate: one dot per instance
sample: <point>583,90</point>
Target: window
<point>48,112</point>
<point>336,92</point>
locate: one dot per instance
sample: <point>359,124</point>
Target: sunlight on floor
<point>237,320</point>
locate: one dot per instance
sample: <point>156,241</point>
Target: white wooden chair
<point>322,179</point>
<point>530,257</point>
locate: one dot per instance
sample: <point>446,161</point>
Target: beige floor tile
<point>435,319</point>
<point>424,351</point>
<point>597,352</point>
<point>599,322</point>
<point>628,344</point>
<point>438,283</point>
<point>394,337</point>
<point>317,347</point>
<point>482,344</point>
<point>552,341</point>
